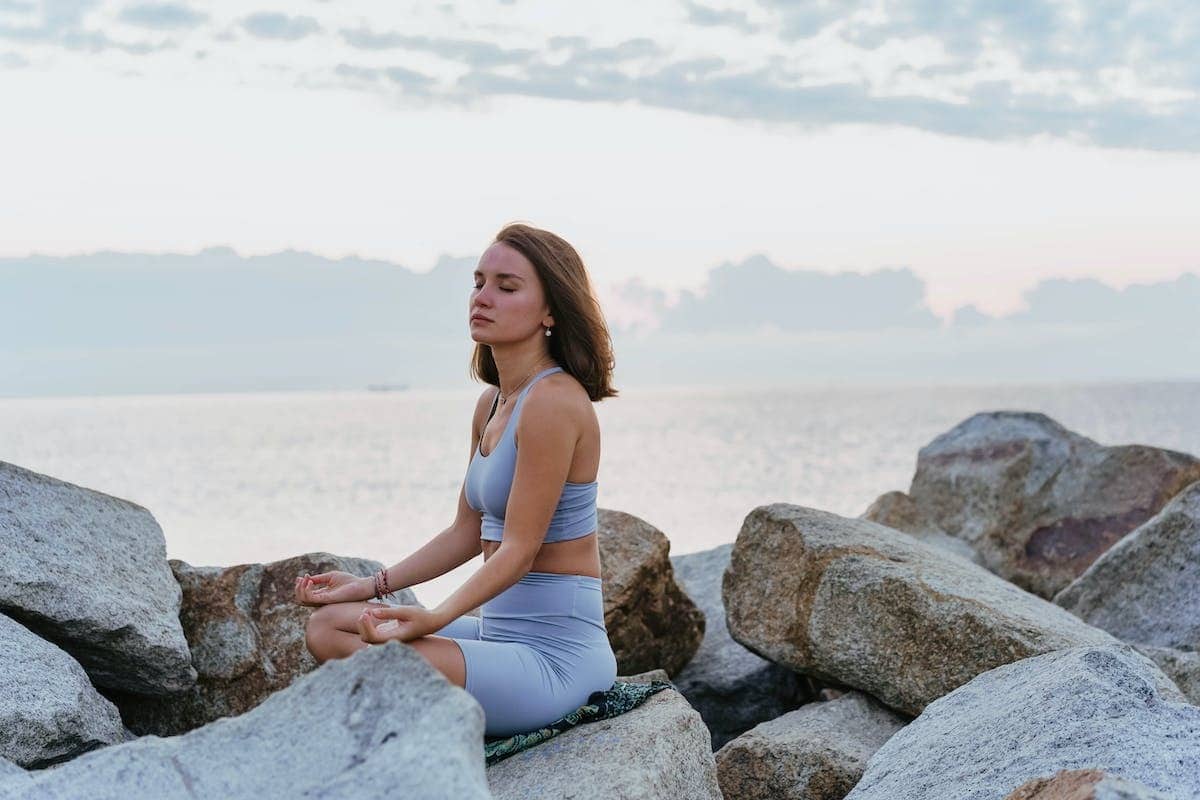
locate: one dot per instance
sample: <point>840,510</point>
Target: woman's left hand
<point>378,625</point>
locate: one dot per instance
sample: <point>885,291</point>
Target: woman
<point>528,503</point>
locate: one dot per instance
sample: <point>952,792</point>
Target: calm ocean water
<point>235,478</point>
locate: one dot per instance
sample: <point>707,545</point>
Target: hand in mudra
<point>377,625</point>
<point>328,587</point>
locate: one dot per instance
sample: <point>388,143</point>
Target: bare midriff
<point>573,557</point>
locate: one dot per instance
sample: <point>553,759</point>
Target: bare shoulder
<point>559,399</point>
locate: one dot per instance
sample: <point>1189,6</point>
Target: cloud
<point>473,52</point>
<point>409,81</point>
<point>1089,301</point>
<point>756,293</point>
<point>13,61</point>
<point>1107,73</point>
<point>161,16</point>
<point>273,25</point>
<point>715,17</point>
<point>61,22</point>
<point>141,322</point>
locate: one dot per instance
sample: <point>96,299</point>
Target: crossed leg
<point>332,632</point>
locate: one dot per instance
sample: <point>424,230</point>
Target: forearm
<point>448,550</point>
<point>500,571</point>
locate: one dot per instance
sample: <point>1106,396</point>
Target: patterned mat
<point>617,700</point>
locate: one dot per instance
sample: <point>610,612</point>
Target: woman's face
<point>508,296</point>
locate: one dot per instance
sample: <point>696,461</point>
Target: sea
<point>255,477</point>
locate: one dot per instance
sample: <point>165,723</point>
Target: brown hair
<point>581,342</point>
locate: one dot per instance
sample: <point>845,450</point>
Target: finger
<point>387,612</point>
<point>367,627</point>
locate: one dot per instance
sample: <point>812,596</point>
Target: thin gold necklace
<point>503,399</point>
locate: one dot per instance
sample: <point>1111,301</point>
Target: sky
<point>982,146</point>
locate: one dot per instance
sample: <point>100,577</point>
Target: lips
<point>479,317</point>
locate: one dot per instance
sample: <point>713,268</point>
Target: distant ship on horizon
<point>387,387</point>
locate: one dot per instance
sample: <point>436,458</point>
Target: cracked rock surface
<point>382,723</point>
<point>89,572</point>
<point>1107,708</point>
<point>852,602</point>
<point>49,710</point>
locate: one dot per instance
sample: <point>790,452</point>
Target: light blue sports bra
<point>490,477</point>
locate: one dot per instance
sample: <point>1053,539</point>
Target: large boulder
<point>1084,784</point>
<point>897,510</point>
<point>732,688</point>
<point>657,751</point>
<point>1181,666</point>
<point>1036,501</point>
<point>1146,587</point>
<point>382,723</point>
<point>12,775</point>
<point>1106,708</point>
<point>856,603</point>
<point>817,752</point>
<point>49,710</point>
<point>246,635</point>
<point>651,623</point>
<point>89,572</point>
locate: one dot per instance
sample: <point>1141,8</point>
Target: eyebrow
<point>503,275</point>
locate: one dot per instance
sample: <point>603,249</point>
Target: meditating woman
<point>528,503</point>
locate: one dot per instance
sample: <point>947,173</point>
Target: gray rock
<point>651,623</point>
<point>1146,587</point>
<point>246,635</point>
<point>1084,784</point>
<point>1038,502</point>
<point>382,723</point>
<point>1181,666</point>
<point>12,775</point>
<point>657,751</point>
<point>817,752</point>
<point>732,688</point>
<point>49,710</point>
<point>897,510</point>
<point>89,572</point>
<point>853,602</point>
<point>1107,708</point>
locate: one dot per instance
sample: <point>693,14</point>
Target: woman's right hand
<point>332,587</point>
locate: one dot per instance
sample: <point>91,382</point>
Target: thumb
<point>389,612</point>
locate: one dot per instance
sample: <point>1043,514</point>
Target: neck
<point>516,363</point>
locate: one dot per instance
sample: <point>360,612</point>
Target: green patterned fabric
<point>617,700</point>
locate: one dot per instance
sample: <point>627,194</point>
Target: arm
<point>547,434</point>
<point>456,545</point>
<point>449,550</point>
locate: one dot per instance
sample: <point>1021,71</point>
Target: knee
<point>313,633</point>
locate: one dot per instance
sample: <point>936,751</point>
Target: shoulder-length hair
<point>581,342</point>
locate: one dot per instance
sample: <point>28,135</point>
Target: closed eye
<point>477,286</point>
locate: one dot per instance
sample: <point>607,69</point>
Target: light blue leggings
<point>538,650</point>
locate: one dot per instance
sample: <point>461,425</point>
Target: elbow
<point>519,556</point>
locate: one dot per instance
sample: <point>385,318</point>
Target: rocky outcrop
<point>1084,784</point>
<point>1181,666</point>
<point>246,635</point>
<point>49,711</point>
<point>1036,501</point>
<point>817,752</point>
<point>853,602</point>
<point>658,751</point>
<point>651,623</point>
<point>732,688</point>
<point>1107,708</point>
<point>89,572</point>
<point>380,724</point>
<point>1146,587</point>
<point>897,510</point>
